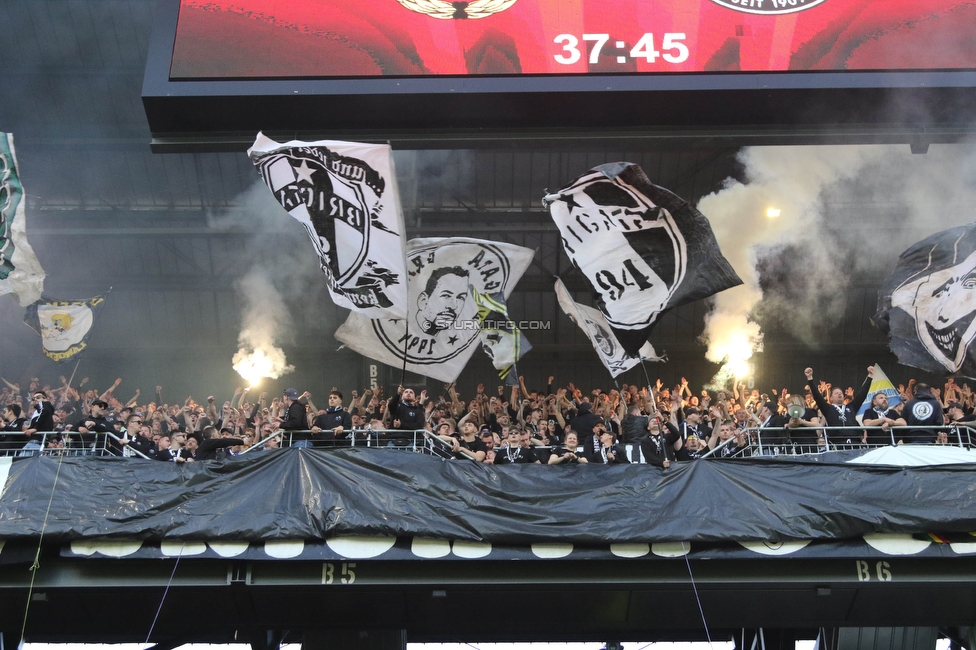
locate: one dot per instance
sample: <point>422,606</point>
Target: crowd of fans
<point>561,425</point>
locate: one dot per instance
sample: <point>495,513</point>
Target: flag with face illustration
<point>442,327</point>
<point>345,195</point>
<point>595,326</point>
<point>501,338</point>
<point>643,249</point>
<point>928,303</point>
<point>20,272</point>
<point>64,325</point>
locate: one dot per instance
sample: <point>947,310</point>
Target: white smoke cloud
<point>278,274</point>
<point>822,236</point>
<point>265,323</point>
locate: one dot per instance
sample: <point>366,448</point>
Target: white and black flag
<point>345,194</point>
<point>595,326</point>
<point>443,326</point>
<point>928,303</point>
<point>20,272</point>
<point>643,249</point>
<point>64,325</point>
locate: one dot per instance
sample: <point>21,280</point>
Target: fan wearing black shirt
<point>879,415</point>
<point>566,454</point>
<point>837,413</point>
<point>660,445</point>
<point>610,452</point>
<point>513,452</point>
<point>331,424</point>
<point>469,445</point>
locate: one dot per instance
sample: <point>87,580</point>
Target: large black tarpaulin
<point>305,494</point>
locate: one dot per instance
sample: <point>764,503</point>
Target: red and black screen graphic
<point>267,39</point>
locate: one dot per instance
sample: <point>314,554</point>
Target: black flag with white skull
<point>643,249</point>
<point>928,303</point>
<point>345,195</point>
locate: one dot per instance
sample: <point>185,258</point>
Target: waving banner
<point>880,384</point>
<point>643,249</point>
<point>442,328</point>
<point>20,272</point>
<point>345,195</point>
<point>64,325</point>
<point>595,326</point>
<point>928,303</point>
<point>501,338</point>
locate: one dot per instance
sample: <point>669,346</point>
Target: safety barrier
<point>66,443</point>
<point>777,441</point>
<point>767,441</point>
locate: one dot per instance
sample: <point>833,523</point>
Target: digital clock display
<point>320,39</point>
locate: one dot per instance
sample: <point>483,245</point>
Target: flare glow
<point>256,364</point>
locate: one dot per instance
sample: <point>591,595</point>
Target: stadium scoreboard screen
<point>519,67</point>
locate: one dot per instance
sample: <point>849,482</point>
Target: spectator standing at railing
<point>610,452</point>
<point>567,453</point>
<point>164,449</point>
<point>513,452</point>
<point>662,442</point>
<point>138,437</point>
<point>469,445</point>
<point>957,415</point>
<point>693,425</point>
<point>836,413</point>
<point>583,423</point>
<point>333,424</point>
<point>407,414</point>
<point>41,419</point>
<point>692,449</point>
<point>204,445</point>
<point>880,415</point>
<point>725,432</point>
<point>295,420</point>
<point>806,429</point>
<point>633,427</point>
<point>13,423</point>
<point>772,427</point>
<point>924,410</point>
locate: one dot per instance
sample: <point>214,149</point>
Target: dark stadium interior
<point>174,234</point>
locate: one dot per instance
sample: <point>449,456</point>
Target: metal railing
<point>760,441</point>
<point>66,443</point>
<point>413,440</point>
<point>813,440</point>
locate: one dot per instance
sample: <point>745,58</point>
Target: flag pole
<point>64,394</point>
<point>647,377</point>
<point>406,343</point>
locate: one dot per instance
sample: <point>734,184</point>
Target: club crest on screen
<point>457,10</point>
<point>769,7</point>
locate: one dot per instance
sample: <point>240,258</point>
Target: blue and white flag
<point>880,384</point>
<point>345,195</point>
<point>20,272</point>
